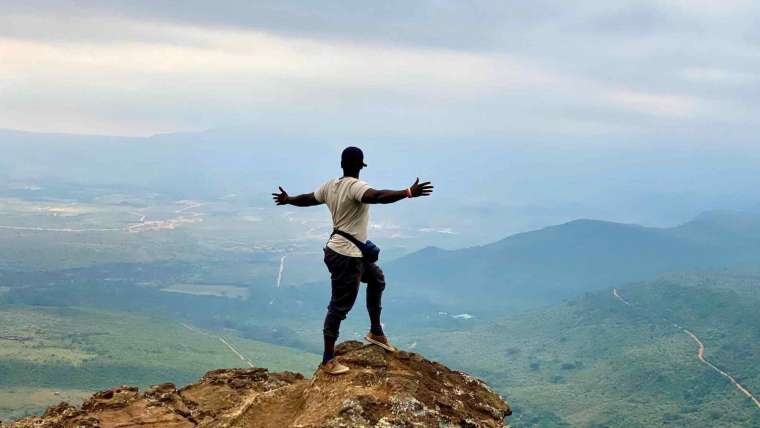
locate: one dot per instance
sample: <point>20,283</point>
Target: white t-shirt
<point>343,196</point>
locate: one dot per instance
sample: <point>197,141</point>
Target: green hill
<point>558,262</point>
<point>597,361</point>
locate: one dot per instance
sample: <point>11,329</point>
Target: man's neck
<point>351,174</point>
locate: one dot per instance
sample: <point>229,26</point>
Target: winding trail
<point>701,355</point>
<point>617,296</point>
<point>232,348</point>
<point>226,343</point>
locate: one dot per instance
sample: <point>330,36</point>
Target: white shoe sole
<point>380,344</point>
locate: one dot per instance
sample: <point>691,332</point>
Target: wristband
<point>409,192</point>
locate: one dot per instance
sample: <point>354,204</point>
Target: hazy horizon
<point>543,112</point>
<point>141,142</point>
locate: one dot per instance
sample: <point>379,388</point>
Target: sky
<point>580,71</point>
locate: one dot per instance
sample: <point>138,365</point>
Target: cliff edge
<point>382,389</point>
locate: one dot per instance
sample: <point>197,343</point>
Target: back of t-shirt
<point>343,196</point>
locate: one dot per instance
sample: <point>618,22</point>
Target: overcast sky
<point>603,70</point>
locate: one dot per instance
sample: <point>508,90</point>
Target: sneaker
<point>381,341</point>
<point>333,367</point>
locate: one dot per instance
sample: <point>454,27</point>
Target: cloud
<point>422,69</point>
<point>172,72</point>
<point>720,76</point>
<point>667,105</point>
<point>431,23</point>
<point>442,230</point>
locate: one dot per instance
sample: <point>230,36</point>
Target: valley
<point>586,362</point>
<point>564,194</point>
<point>571,328</point>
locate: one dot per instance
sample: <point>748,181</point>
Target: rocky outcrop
<point>382,390</point>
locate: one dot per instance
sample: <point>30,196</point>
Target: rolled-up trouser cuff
<point>330,334</point>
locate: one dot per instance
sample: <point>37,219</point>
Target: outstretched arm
<point>305,200</point>
<point>372,196</point>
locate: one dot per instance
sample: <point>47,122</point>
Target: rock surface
<point>382,390</point>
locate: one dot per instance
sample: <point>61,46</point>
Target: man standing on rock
<point>348,254</point>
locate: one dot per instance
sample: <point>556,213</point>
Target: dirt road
<point>234,349</point>
<point>279,273</point>
<point>226,343</point>
<point>617,296</point>
<point>701,356</point>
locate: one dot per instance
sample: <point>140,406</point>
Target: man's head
<point>352,160</point>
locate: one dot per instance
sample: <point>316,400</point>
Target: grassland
<point>74,351</point>
<point>228,291</point>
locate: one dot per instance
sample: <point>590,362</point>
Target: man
<point>348,199</point>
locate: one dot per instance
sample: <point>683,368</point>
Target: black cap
<point>352,156</point>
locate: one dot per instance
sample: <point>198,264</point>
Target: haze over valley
<point>105,284</point>
<point>591,250</point>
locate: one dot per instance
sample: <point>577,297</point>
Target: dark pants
<point>346,273</point>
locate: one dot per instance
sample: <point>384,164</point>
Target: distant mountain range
<point>554,263</point>
<point>485,188</point>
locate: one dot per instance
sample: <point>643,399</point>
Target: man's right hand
<point>420,189</point>
<point>280,198</point>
